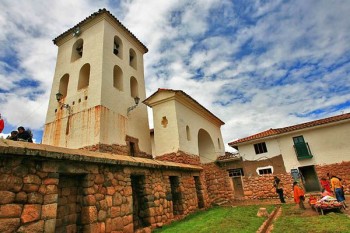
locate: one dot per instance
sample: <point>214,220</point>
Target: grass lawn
<point>295,220</point>
<point>243,219</point>
<point>220,220</point>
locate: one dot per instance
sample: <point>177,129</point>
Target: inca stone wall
<point>180,157</point>
<point>118,149</point>
<point>218,183</point>
<point>261,187</point>
<point>44,191</point>
<point>215,184</point>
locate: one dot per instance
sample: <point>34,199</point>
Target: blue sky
<point>254,64</point>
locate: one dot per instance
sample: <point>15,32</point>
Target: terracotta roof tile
<point>272,132</point>
<point>91,17</point>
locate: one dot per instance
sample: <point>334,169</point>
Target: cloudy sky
<point>254,64</point>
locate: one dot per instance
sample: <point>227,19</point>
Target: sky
<point>254,64</point>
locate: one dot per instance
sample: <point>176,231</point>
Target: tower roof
<point>92,17</point>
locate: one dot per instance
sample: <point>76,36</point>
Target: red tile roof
<point>277,131</point>
<point>91,17</point>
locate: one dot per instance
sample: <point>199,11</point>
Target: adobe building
<point>94,171</point>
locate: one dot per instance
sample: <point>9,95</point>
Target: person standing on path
<point>278,185</point>
<point>299,195</point>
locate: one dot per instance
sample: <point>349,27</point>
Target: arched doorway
<point>206,147</point>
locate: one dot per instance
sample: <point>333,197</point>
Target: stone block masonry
<point>341,170</point>
<point>49,189</point>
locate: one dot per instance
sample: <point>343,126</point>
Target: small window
<point>260,148</point>
<point>132,59</point>
<point>265,171</point>
<point>118,47</point>
<point>80,50</point>
<point>188,134</point>
<point>134,89</point>
<point>132,149</point>
<point>84,77</point>
<point>219,144</point>
<point>64,85</point>
<point>235,172</point>
<point>77,50</point>
<point>118,78</point>
<point>298,139</point>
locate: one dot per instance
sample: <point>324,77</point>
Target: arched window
<point>219,145</point>
<point>118,78</point>
<point>64,85</point>
<point>134,90</point>
<point>77,50</point>
<point>118,47</point>
<point>188,133</point>
<point>132,58</point>
<point>84,76</point>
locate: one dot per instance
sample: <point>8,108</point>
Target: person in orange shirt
<point>299,197</point>
<point>337,188</point>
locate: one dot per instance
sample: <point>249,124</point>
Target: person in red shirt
<point>326,185</point>
<point>299,197</point>
<point>2,124</point>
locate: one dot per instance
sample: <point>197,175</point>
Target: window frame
<point>260,148</point>
<point>235,172</point>
<point>264,171</point>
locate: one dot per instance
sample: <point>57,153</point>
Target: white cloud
<point>256,66</point>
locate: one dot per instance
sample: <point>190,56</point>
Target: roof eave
<point>90,18</point>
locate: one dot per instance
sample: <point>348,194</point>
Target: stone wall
<point>56,194</point>
<point>218,183</point>
<point>341,170</point>
<point>180,157</point>
<point>214,183</point>
<point>261,187</point>
<point>118,149</point>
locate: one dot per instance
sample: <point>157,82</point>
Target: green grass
<point>219,220</point>
<point>294,220</point>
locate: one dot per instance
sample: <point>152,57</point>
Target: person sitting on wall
<point>277,184</point>
<point>24,135</point>
<point>325,184</point>
<point>299,195</point>
<point>13,136</point>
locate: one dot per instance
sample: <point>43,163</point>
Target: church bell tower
<point>98,88</point>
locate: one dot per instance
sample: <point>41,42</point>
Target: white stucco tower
<point>99,73</point>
